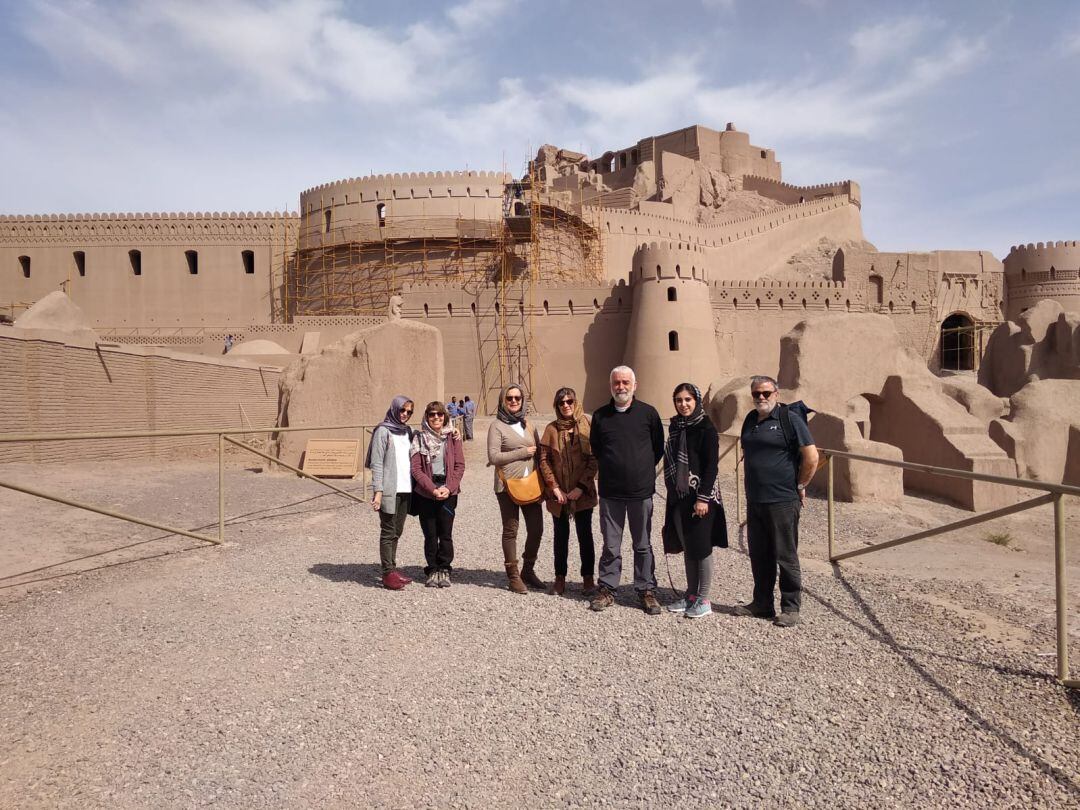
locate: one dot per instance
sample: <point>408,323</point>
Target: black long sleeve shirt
<point>627,445</point>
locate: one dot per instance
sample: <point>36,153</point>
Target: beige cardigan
<point>507,451</point>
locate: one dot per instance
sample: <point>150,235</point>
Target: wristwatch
<point>801,487</point>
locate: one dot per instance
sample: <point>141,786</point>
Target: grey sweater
<point>508,452</point>
<point>384,471</point>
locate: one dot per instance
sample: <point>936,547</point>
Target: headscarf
<point>676,457</point>
<point>505,415</point>
<point>566,428</point>
<point>429,443</point>
<point>392,422</point>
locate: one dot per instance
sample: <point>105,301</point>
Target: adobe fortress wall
<point>151,269</point>
<point>71,386</point>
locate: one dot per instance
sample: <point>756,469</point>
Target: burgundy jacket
<point>454,456</point>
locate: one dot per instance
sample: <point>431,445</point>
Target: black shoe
<point>787,619</point>
<point>753,610</point>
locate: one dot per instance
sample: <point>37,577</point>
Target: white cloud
<point>885,41</point>
<point>1070,44</point>
<point>476,14</point>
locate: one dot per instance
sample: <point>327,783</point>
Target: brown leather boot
<point>528,575</point>
<point>558,587</point>
<point>514,579</point>
<point>588,586</point>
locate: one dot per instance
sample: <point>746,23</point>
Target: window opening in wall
<point>24,262</point>
<point>135,257</point>
<point>248,257</point>
<point>545,307</point>
<point>1053,273</point>
<point>327,217</point>
<point>763,153</point>
<point>913,310</point>
<point>192,257</point>
<point>673,341</point>
<point>877,290</point>
<point>622,160</point>
<point>450,309</point>
<point>425,310</point>
<point>634,156</point>
<point>1023,274</point>
<point>958,343</point>
<point>672,294</point>
<point>80,261</point>
<point>380,213</point>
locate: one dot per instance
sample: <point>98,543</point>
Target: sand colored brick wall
<point>48,386</point>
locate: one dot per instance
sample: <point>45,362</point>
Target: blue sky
<point>960,120</point>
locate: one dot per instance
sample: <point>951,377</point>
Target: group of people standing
<point>577,464</point>
<point>466,409</point>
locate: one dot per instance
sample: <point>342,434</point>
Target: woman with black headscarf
<point>512,447</point>
<point>391,483</point>
<point>694,520</point>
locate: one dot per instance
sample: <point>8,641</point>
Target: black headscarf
<point>505,415</point>
<point>676,457</point>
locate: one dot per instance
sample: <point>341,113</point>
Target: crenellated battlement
<point>124,216</point>
<point>681,261</point>
<point>381,181</point>
<point>780,285</point>
<point>774,218</point>
<point>1026,263</point>
<point>842,186</point>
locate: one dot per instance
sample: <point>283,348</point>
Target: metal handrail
<point>1055,494</point>
<point>223,436</point>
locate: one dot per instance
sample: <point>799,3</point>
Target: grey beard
<point>621,398</point>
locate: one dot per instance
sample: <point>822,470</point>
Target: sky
<point>960,120</point>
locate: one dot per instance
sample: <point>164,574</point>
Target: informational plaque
<point>332,458</point>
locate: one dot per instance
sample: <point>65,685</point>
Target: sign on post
<point>332,458</point>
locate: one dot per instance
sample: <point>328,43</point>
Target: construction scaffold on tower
<point>541,237</point>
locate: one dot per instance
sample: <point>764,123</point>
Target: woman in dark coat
<point>694,520</point>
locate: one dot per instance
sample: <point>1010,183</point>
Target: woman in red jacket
<point>437,462</point>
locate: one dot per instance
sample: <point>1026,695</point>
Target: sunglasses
<point>761,394</point>
<point>407,411</point>
<point>433,414</point>
<point>510,398</point>
<point>566,402</point>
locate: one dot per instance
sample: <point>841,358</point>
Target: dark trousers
<point>583,525</point>
<point>511,515</point>
<point>614,515</point>
<point>390,529</point>
<point>772,536</point>
<point>437,523</point>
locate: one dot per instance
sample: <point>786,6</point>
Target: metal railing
<point>1055,494</point>
<point>223,436</point>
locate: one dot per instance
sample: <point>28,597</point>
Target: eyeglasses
<point>407,411</point>
<point>761,394</point>
<point>566,402</point>
<point>435,414</point>
<point>512,398</point>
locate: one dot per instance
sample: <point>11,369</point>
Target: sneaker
<point>432,580</point>
<point>681,605</point>
<point>649,603</point>
<point>751,609</point>
<point>444,580</point>
<point>701,607</point>
<point>603,600</point>
<point>393,581</point>
<point>787,619</point>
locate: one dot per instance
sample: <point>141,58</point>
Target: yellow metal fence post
<point>829,488</point>
<point>1059,580</point>
<point>221,486</point>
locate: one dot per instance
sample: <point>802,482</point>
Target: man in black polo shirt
<point>779,459</point>
<point>627,439</point>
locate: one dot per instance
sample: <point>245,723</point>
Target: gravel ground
<point>275,672</point>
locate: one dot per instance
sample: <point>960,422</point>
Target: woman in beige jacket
<point>512,445</point>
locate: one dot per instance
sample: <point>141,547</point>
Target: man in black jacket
<point>627,439</point>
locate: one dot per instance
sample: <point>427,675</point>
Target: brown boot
<point>514,579</point>
<point>588,586</point>
<point>529,577</point>
<point>558,587</point>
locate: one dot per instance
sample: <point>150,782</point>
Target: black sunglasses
<point>407,411</point>
<point>430,414</point>
<point>761,394</point>
<point>511,398</point>
<point>566,402</point>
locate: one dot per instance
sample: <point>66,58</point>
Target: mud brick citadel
<point>685,255</point>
